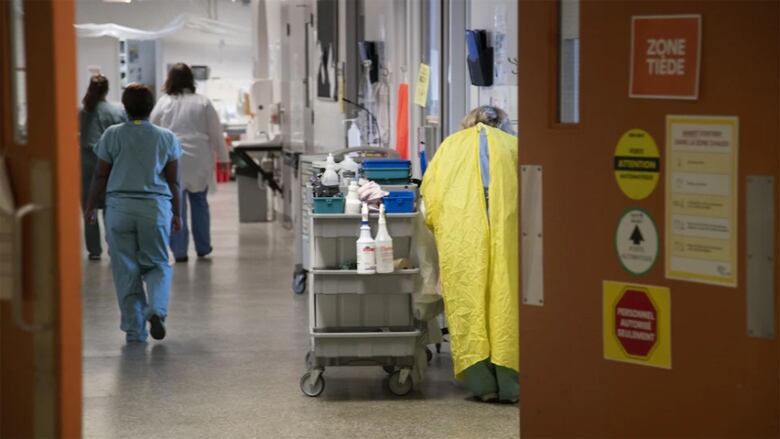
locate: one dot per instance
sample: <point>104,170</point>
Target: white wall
<point>329,132</point>
<point>230,58</point>
<point>104,53</point>
<point>497,15</point>
<point>386,22</point>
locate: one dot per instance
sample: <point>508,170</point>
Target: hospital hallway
<point>231,362</point>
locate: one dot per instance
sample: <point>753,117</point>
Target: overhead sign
<point>637,164</point>
<point>636,241</point>
<point>701,199</point>
<point>637,324</point>
<point>665,56</point>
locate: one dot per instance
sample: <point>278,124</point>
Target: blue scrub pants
<point>91,231</point>
<point>138,245</point>
<point>201,224</point>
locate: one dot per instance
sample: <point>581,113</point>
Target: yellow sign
<point>637,164</point>
<point>637,324</point>
<point>421,92</point>
<point>701,199</point>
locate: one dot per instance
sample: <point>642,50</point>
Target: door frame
<point>41,371</point>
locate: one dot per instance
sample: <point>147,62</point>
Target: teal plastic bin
<point>329,204</point>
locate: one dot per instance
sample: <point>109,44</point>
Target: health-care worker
<point>195,122</point>
<point>95,117</point>
<point>138,171</point>
<point>470,200</point>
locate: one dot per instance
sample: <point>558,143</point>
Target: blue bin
<point>386,163</point>
<point>399,202</point>
<point>328,204</point>
<point>387,170</point>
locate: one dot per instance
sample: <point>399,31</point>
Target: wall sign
<point>637,164</point>
<point>701,199</point>
<point>636,241</point>
<point>665,56</point>
<point>637,324</point>
<point>423,80</point>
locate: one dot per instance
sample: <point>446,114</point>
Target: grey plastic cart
<point>361,320</point>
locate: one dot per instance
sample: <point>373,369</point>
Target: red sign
<point>635,322</point>
<point>665,54</point>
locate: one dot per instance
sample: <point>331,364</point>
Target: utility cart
<point>358,319</point>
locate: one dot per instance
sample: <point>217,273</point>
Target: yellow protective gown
<point>478,255</point>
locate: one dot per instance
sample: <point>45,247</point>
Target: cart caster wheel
<point>396,388</point>
<point>389,369</point>
<point>312,390</point>
<point>428,354</point>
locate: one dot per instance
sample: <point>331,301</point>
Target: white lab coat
<point>195,122</point>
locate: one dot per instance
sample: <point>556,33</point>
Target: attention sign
<point>637,164</point>
<point>637,324</point>
<point>665,56</point>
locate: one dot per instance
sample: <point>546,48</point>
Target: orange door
<point>721,375</point>
<point>40,300</point>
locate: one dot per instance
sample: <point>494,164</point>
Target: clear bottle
<point>383,245</point>
<point>353,204</point>
<point>366,248</point>
<point>349,171</point>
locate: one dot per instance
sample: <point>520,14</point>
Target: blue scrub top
<point>138,152</point>
<point>93,123</point>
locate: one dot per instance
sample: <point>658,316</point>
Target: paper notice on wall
<point>421,91</point>
<point>701,199</point>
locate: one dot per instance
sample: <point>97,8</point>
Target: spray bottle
<point>383,245</point>
<point>330,177</point>
<point>366,248</point>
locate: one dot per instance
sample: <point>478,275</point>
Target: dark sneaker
<point>203,255</point>
<point>157,327</point>
<point>182,260</point>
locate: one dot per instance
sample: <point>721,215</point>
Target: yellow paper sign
<point>421,92</point>
<point>637,324</point>
<point>701,199</point>
<point>637,164</point>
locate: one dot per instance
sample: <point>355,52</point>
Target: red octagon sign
<point>635,322</point>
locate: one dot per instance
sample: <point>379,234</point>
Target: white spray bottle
<point>383,245</point>
<point>366,248</point>
<point>330,177</point>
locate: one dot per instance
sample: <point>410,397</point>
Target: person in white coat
<point>196,123</point>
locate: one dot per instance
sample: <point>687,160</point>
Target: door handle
<point>16,301</point>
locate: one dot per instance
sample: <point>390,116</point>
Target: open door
<point>684,342</point>
<point>40,297</point>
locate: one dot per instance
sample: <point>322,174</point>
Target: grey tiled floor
<point>234,353</point>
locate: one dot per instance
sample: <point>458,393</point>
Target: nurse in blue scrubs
<point>137,169</point>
